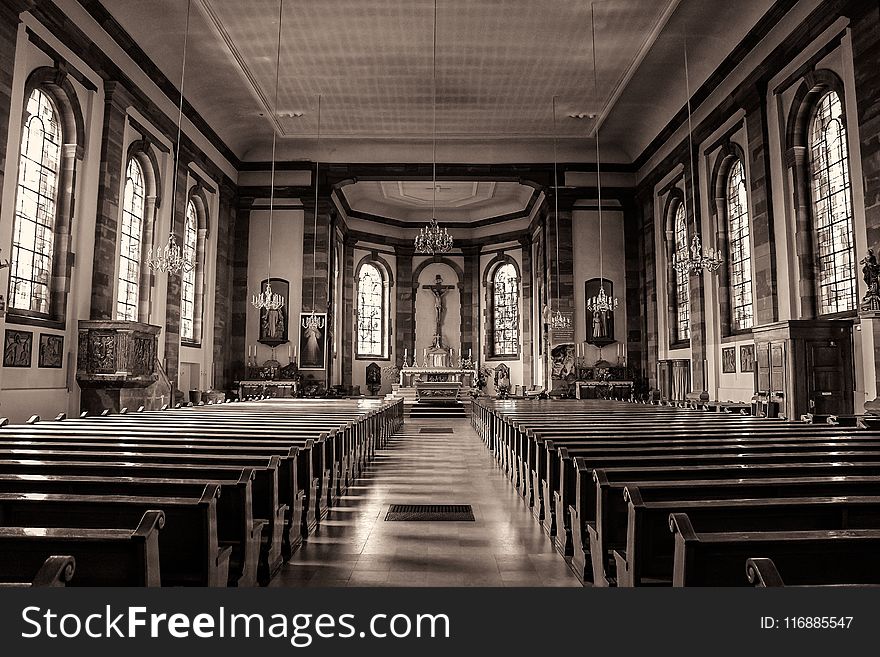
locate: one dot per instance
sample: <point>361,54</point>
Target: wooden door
<point>827,378</point>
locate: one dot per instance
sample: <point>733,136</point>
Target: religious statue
<point>438,290</point>
<point>871,276</point>
<point>273,323</point>
<point>598,324</point>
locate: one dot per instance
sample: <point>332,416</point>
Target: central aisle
<point>355,546</point>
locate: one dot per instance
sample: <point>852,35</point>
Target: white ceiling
<point>499,63</point>
<point>456,201</point>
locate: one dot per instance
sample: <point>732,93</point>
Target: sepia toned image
<point>309,294</point>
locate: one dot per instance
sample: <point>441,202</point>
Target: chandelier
<point>710,259</point>
<point>560,321</point>
<point>431,238</point>
<point>699,260</point>
<point>266,299</point>
<point>601,303</point>
<point>170,258</point>
<point>313,321</point>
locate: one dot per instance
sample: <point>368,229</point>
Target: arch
<point>45,300</point>
<point>380,262</point>
<point>827,276</point>
<point>437,260</point>
<point>735,277</point>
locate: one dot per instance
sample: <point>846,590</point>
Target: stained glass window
<point>370,312</point>
<point>832,208</point>
<point>188,275</point>
<point>739,254</point>
<point>130,241</point>
<point>33,239</point>
<point>505,311</point>
<point>682,281</point>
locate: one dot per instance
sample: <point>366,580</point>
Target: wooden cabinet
<point>807,365</point>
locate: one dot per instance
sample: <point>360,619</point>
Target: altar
<point>409,376</point>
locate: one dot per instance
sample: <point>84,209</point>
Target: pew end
<point>762,572</point>
<point>55,572</point>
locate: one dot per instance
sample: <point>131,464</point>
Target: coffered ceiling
<point>498,65</point>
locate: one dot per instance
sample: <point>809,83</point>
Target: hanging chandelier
<point>601,303</point>
<point>170,259</point>
<point>699,259</point>
<point>314,321</point>
<point>267,299</point>
<point>558,320</point>
<point>432,239</point>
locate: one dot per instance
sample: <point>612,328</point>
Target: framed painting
<point>273,323</point>
<point>747,358</point>
<point>728,360</point>
<point>312,341</point>
<point>51,352</point>
<point>17,348</point>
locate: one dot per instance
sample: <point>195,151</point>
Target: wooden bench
<point>236,526</point>
<point>55,572</point>
<point>190,552</point>
<point>717,558</point>
<point>648,556</point>
<point>104,556</point>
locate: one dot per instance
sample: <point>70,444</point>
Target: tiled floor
<point>356,547</point>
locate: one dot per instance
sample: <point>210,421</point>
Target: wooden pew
<point>104,556</point>
<point>602,515</point>
<point>55,572</point>
<point>648,556</point>
<point>717,558</point>
<point>236,527</point>
<point>190,553</point>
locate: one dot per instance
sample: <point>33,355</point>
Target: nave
<point>355,546</point>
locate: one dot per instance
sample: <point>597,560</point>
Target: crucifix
<point>438,290</point>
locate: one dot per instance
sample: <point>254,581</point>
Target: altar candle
<point>289,351</point>
<point>469,354</point>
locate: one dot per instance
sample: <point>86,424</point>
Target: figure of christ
<point>438,290</point>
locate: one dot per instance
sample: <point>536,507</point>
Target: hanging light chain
<point>171,258</point>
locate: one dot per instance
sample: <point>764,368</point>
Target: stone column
<point>699,355</point>
<point>117,100</point>
<point>865,25</point>
<point>316,268</point>
<point>470,301</point>
<point>222,347</point>
<point>348,327</point>
<point>404,324</point>
<point>172,302</point>
<point>240,299</point>
<point>526,312</point>
<point>147,278</point>
<point>63,263</point>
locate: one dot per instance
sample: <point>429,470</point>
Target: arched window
<point>130,242</point>
<point>682,312</point>
<point>739,254</point>
<point>33,237</point>
<point>370,311</point>
<point>189,274</point>
<point>505,311</point>
<point>832,208</point>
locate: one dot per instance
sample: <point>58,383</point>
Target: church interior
<point>549,277</point>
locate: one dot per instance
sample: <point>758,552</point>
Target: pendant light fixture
<point>601,303</point>
<point>267,299</point>
<point>315,321</point>
<point>170,259</point>
<point>699,260</point>
<point>432,239</point>
<point>558,321</point>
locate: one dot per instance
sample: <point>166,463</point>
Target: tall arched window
<point>682,314</point>
<point>739,254</point>
<point>189,275</point>
<point>370,311</point>
<point>832,208</point>
<point>130,242</point>
<point>505,311</point>
<point>33,238</point>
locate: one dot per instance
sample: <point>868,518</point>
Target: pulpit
<point>116,366</point>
